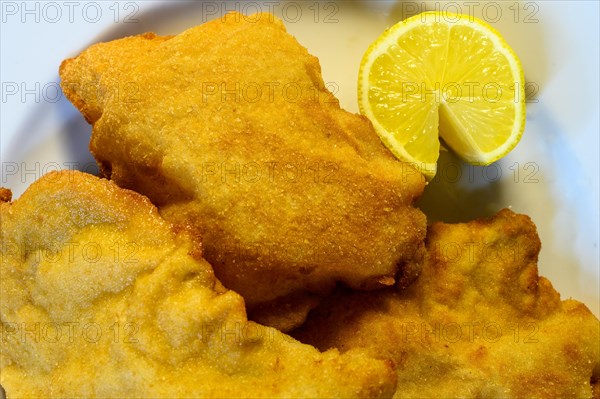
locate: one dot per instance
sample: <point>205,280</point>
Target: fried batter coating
<point>478,323</point>
<point>102,298</point>
<point>229,126</point>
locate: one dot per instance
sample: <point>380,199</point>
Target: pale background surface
<point>552,175</point>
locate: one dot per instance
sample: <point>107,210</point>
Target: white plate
<point>552,175</point>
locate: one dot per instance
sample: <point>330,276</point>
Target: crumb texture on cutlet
<point>230,127</point>
<point>5,195</point>
<point>102,298</point>
<point>479,322</point>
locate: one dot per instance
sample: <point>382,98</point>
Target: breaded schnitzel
<point>228,126</point>
<point>478,323</point>
<point>102,298</point>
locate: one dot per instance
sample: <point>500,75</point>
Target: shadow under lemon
<point>461,192</point>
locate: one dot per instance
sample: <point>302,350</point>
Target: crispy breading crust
<point>229,126</point>
<point>478,322</point>
<point>102,298</point>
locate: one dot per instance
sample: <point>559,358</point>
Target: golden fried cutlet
<point>228,126</point>
<point>102,298</point>
<point>478,323</point>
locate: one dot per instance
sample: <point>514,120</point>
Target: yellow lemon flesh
<point>443,74</point>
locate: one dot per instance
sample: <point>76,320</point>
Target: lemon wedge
<point>443,74</point>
